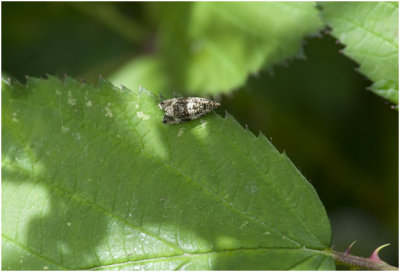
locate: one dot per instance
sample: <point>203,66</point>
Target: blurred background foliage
<point>315,107</point>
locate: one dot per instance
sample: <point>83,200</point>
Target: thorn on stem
<point>374,256</point>
<point>349,248</point>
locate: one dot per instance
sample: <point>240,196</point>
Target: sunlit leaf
<point>210,47</point>
<point>369,30</point>
<point>145,71</point>
<point>93,179</point>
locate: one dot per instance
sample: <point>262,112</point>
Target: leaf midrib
<point>356,24</point>
<point>216,252</point>
<point>183,255</point>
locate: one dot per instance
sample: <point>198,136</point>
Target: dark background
<point>342,137</point>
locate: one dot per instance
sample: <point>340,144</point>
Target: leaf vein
<point>33,252</point>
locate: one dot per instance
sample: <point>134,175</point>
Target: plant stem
<point>365,263</point>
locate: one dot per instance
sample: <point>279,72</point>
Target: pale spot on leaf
<point>203,123</point>
<point>65,129</point>
<point>15,119</point>
<point>108,110</point>
<point>244,224</point>
<point>71,99</point>
<point>142,115</point>
<point>77,136</point>
<point>180,132</point>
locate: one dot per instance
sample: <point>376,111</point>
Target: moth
<point>183,109</point>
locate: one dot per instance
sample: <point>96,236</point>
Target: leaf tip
<point>262,136</point>
<point>31,80</point>
<point>228,115</point>
<point>82,80</point>
<point>142,90</point>
<point>256,74</point>
<point>103,83</point>
<point>319,34</point>
<point>124,88</point>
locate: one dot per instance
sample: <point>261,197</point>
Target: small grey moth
<point>183,109</point>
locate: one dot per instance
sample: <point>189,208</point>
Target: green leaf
<point>370,32</point>
<point>93,179</point>
<point>210,47</point>
<point>145,71</point>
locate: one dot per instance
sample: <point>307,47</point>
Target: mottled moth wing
<point>171,120</point>
<point>179,110</point>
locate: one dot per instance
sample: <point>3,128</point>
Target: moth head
<point>163,104</point>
